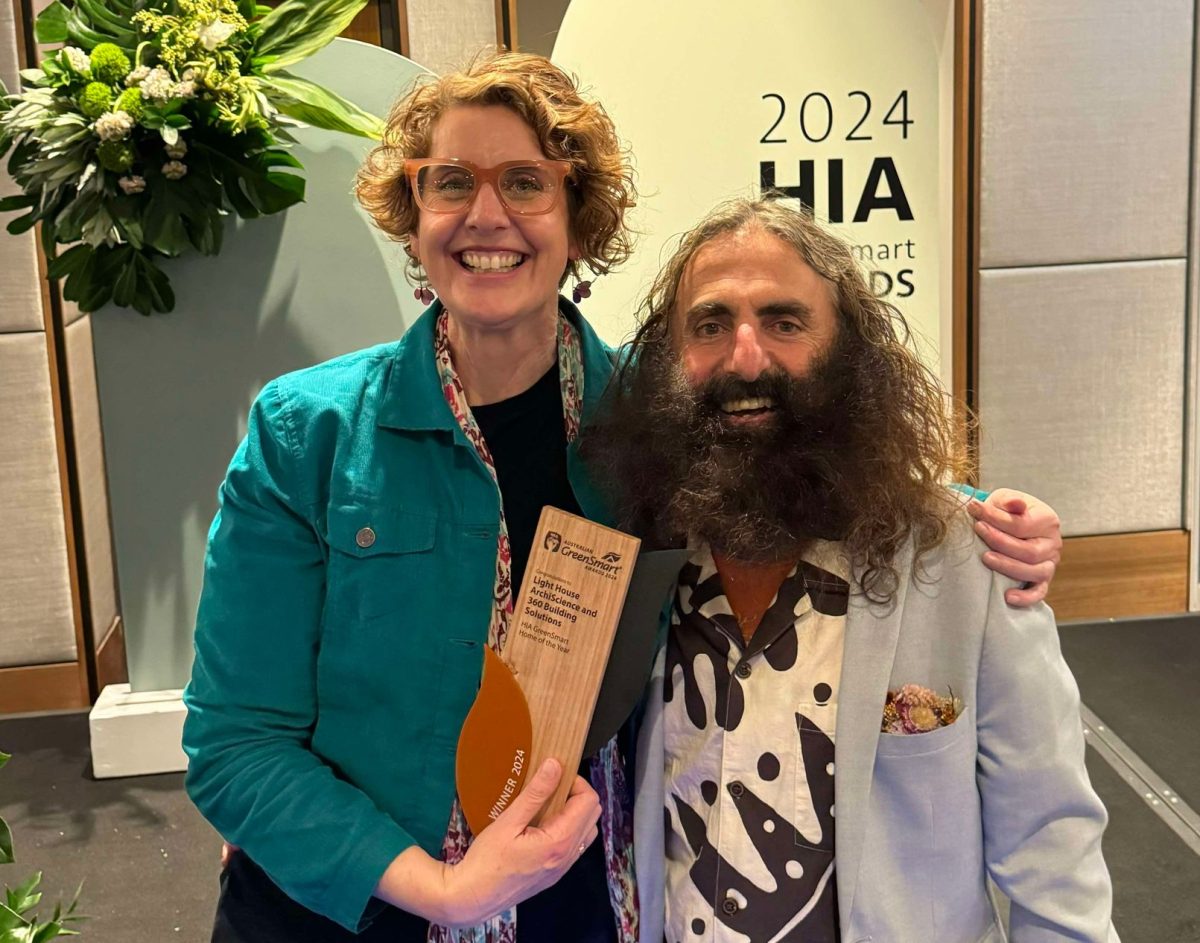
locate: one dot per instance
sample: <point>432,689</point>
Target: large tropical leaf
<point>308,102</point>
<point>51,24</point>
<point>296,29</point>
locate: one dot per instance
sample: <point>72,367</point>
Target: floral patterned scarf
<point>607,772</point>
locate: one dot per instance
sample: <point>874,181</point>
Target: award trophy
<point>537,699</point>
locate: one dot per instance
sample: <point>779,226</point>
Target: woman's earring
<point>424,294</point>
<point>582,290</point>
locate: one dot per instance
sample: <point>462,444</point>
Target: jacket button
<point>730,906</point>
<point>365,537</point>
<point>736,789</point>
<point>743,669</point>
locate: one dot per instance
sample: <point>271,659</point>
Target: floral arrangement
<point>18,923</point>
<point>155,120</point>
<point>914,709</point>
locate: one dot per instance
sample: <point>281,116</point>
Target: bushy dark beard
<point>674,465</point>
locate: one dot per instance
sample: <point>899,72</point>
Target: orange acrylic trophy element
<point>536,700</point>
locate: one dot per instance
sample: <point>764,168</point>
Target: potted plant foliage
<point>19,923</point>
<point>153,121</point>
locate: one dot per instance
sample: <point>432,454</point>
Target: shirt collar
<point>412,397</point>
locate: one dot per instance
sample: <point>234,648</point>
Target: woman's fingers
<point>1031,595</point>
<point>1021,572</point>
<point>1030,550</point>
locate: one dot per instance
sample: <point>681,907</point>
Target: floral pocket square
<point>914,709</point>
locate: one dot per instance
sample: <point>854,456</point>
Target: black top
<point>528,442</point>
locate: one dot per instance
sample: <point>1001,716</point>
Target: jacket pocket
<point>378,557</point>
<point>920,744</point>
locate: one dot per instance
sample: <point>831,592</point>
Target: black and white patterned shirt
<point>749,731</point>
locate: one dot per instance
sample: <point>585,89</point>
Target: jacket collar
<point>412,397</point>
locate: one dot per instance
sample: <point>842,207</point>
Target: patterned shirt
<point>749,732</point>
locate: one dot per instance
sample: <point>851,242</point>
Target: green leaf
<point>125,286</point>
<point>296,29</point>
<point>4,757</point>
<point>162,298</point>
<point>104,20</point>
<point>25,897</point>
<point>10,920</point>
<point>51,24</point>
<point>6,843</point>
<point>7,205</point>
<point>69,262</point>
<point>22,224</point>
<point>308,102</point>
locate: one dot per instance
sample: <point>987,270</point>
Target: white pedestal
<point>136,734</point>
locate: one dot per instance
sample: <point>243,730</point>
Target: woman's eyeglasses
<point>448,185</point>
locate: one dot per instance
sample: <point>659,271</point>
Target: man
<point>837,651</point>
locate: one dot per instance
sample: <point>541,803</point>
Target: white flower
<point>131,185</point>
<point>174,170</point>
<point>177,150</point>
<point>213,34</point>
<point>137,76</point>
<point>189,75</point>
<point>77,59</point>
<point>113,125</point>
<point>184,90</point>
<point>158,84</point>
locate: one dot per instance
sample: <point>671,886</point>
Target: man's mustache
<point>775,385</point>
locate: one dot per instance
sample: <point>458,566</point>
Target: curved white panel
<point>286,291</point>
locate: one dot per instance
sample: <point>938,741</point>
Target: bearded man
<point>837,650</point>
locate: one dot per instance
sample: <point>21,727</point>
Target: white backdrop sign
<point>846,106</point>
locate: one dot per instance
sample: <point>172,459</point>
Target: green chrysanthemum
<point>109,63</point>
<point>116,156</point>
<point>130,102</point>
<point>95,99</point>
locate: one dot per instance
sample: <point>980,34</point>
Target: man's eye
<point>708,329</point>
<point>788,327</point>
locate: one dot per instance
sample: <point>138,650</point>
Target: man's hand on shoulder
<point>1024,540</point>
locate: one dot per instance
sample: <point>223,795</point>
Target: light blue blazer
<point>923,820</point>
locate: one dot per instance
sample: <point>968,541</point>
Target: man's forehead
<point>749,261</point>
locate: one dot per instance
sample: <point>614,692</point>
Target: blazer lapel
<point>872,632</point>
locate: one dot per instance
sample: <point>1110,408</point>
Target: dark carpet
<point>148,862</point>
<point>1142,678</point>
<point>1156,877</point>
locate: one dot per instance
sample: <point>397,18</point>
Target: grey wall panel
<point>1085,130</point>
<point>93,482</point>
<point>36,623</point>
<point>1082,381</point>
<point>444,34</point>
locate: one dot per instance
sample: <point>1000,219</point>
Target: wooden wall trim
<point>1121,575</point>
<point>42,688</point>
<point>400,11</point>
<point>111,664</point>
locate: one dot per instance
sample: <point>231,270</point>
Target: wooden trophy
<point>536,701</point>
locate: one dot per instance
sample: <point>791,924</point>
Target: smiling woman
<point>393,559</point>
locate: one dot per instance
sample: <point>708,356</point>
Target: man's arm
<point>1042,821</point>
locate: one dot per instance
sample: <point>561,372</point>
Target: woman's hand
<point>510,862</point>
<point>1024,540</point>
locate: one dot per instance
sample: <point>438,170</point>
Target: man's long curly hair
<point>917,437</point>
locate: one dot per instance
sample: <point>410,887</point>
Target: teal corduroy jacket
<point>347,595</point>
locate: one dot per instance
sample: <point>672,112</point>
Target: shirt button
<point>736,789</point>
<point>365,537</point>
<point>730,906</point>
<point>743,669</point>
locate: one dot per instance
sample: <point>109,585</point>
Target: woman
<point>372,527</point>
